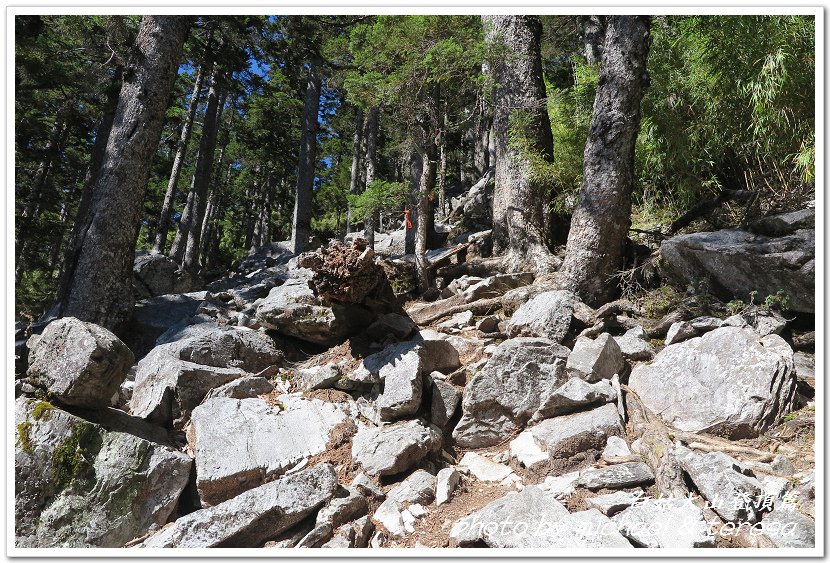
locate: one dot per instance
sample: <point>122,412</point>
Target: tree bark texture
<point>178,161</point>
<point>521,128</point>
<point>82,215</point>
<point>101,286</point>
<point>592,33</point>
<point>602,217</point>
<point>301,230</point>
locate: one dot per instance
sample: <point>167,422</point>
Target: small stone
<point>616,447</point>
<point>483,469</point>
<point>447,480</point>
<point>445,400</point>
<point>680,331</point>
<point>613,503</point>
<point>488,324</point>
<point>562,485</point>
<point>782,465</point>
<point>525,449</point>
<point>705,324</point>
<point>394,448</point>
<point>367,486</point>
<point>619,476</point>
<point>318,377</point>
<point>597,359</point>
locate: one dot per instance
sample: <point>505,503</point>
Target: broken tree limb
<point>759,456</point>
<point>708,206</point>
<point>656,446</point>
<point>483,267</point>
<point>481,307</point>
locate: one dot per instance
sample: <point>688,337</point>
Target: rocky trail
<point>303,401</point>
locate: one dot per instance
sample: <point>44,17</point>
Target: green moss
<point>73,455</point>
<point>24,437</point>
<point>42,410</point>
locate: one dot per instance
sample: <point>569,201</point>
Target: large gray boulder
<point>79,363</point>
<point>402,369</point>
<point>789,528</point>
<point>157,274</point>
<point>395,448</point>
<point>241,444</point>
<point>510,388</point>
<point>253,517</point>
<point>80,485</point>
<point>292,309</point>
<point>729,381</point>
<point>547,315</point>
<point>174,378</point>
<point>534,519</point>
<point>738,263</point>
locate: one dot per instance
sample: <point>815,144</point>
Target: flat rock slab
<point>620,476</point>
<point>789,528</point>
<point>80,485</point>
<point>395,448</point>
<point>241,443</point>
<point>672,523</point>
<point>532,518</point>
<point>729,486</point>
<point>254,516</point>
<point>729,381</point>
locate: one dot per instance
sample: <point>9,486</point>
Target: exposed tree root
<point>656,446</point>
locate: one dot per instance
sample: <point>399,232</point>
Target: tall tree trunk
<point>354,180</point>
<point>427,187</point>
<point>82,215</point>
<point>603,215</point>
<point>204,172</point>
<point>413,200</point>
<point>301,227</point>
<point>442,169</point>
<point>178,161</point>
<point>592,34</point>
<point>180,240</point>
<point>371,166</point>
<point>522,135</point>
<point>101,280</point>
